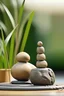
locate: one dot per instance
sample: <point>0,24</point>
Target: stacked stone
<point>42,75</point>
<point>21,70</point>
<point>41,63</point>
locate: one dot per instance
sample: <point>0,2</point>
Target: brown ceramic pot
<point>5,75</point>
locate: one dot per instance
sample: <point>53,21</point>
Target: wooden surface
<point>60,92</point>
<point>33,93</point>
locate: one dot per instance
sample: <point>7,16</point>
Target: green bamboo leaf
<point>22,27</point>
<point>11,53</point>
<point>5,51</point>
<point>15,8</point>
<point>3,26</point>
<point>21,31</point>
<point>1,62</point>
<point>10,35</point>
<point>9,15</point>
<point>1,47</point>
<point>27,31</point>
<point>21,11</point>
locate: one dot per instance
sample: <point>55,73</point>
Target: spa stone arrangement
<point>30,77</point>
<point>22,69</point>
<point>40,74</point>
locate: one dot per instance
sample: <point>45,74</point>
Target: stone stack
<point>42,75</point>
<point>21,70</point>
<point>41,63</point>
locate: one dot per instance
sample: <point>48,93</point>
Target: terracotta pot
<point>5,75</point>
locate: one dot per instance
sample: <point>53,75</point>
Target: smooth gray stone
<point>42,64</point>
<point>22,57</point>
<point>40,50</point>
<point>21,71</point>
<point>42,76</point>
<point>40,57</point>
<point>39,43</point>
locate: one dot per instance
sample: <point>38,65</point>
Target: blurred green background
<point>48,28</point>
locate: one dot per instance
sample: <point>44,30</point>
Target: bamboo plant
<point>14,41</point>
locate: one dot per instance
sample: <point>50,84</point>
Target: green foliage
<point>11,42</point>
<point>4,54</point>
<point>9,15</point>
<point>27,32</point>
<point>5,51</point>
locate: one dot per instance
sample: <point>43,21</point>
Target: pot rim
<point>4,69</point>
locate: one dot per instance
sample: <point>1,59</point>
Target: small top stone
<point>39,43</point>
<point>22,57</point>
